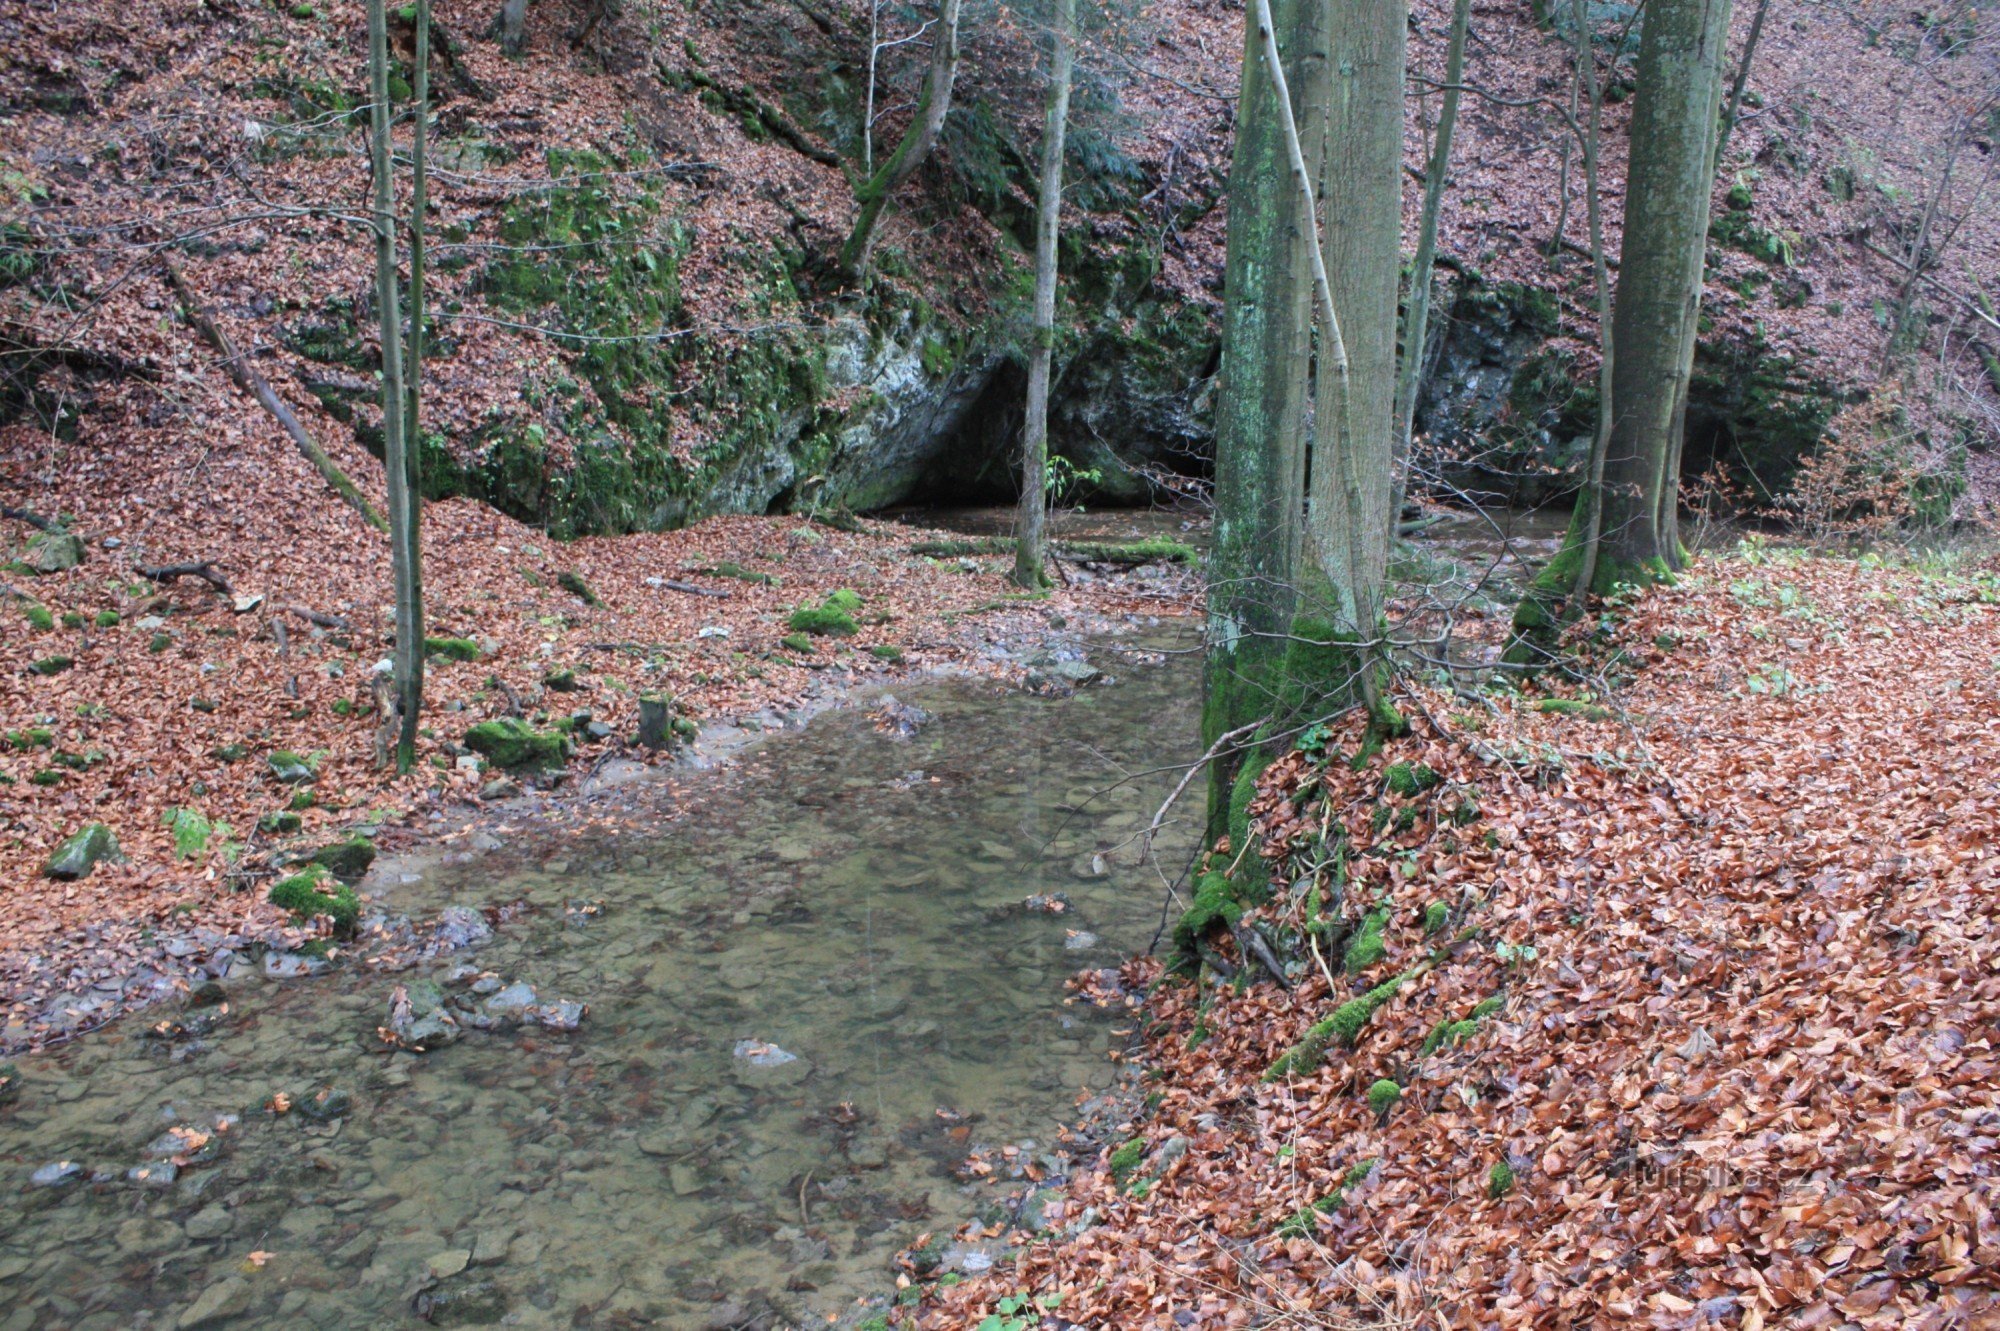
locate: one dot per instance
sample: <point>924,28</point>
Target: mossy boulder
<point>290,768</point>
<point>51,665</point>
<point>81,852</point>
<point>452,649</point>
<point>53,552</point>
<point>512,743</point>
<point>279,824</point>
<point>39,618</point>
<point>346,860</point>
<point>826,621</point>
<point>312,893</point>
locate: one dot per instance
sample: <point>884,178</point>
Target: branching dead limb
<point>203,569</point>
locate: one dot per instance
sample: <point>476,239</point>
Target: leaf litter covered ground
<point>1701,1032</point>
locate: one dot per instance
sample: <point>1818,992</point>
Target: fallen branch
<point>690,589</point>
<point>34,520</point>
<point>1187,777</point>
<point>325,621</point>
<point>203,569</point>
<point>250,381</point>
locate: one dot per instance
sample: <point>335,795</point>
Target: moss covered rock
<point>315,893</point>
<point>53,552</point>
<point>512,743</point>
<point>346,860</point>
<point>81,852</point>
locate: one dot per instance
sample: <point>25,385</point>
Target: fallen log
<point>203,569</point>
<point>250,381</point>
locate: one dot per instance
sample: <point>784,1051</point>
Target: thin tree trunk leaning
<point>1031,548</point>
<point>1730,117</point>
<point>1914,266</point>
<point>1658,299</point>
<point>1341,512</point>
<point>413,434</point>
<point>250,381</point>
<point>1416,324</point>
<point>1260,404</point>
<point>932,106</point>
<point>1592,519</point>
<point>406,683</point>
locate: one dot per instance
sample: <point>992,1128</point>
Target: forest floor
<point>1680,1007</point>
<point>173,698</point>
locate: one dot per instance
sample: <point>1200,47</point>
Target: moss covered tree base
<point>1545,608</point>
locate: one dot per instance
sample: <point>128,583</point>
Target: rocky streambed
<point>716,1065</point>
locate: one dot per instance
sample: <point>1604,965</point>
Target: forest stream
<point>815,985</point>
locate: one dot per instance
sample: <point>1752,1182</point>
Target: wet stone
<point>210,1222</point>
<point>57,1174</point>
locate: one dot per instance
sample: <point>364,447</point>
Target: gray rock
<point>57,1174</point>
<point>292,965</point>
<point>448,1263</point>
<point>512,1001</point>
<point>457,928</point>
<point>218,1303</point>
<point>210,1222</point>
<point>81,852</point>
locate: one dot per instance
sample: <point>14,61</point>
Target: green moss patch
<point>314,893</point>
<point>512,743</point>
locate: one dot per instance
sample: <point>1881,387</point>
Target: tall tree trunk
<point>413,447</point>
<point>402,557</point>
<point>932,106</point>
<point>1031,550</point>
<point>513,26</point>
<point>1590,514</point>
<point>1416,322</point>
<point>1355,406</point>
<point>1260,402</point>
<point>1668,185</point>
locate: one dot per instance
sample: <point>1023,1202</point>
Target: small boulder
<point>289,768</point>
<point>346,860</point>
<point>53,552</point>
<point>82,852</point>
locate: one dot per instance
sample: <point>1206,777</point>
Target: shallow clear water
<point>849,897</point>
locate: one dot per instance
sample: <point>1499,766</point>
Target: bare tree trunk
<point>513,26</point>
<point>1659,283</point>
<point>1335,650</point>
<point>402,556</point>
<point>1260,401</point>
<point>1031,550</point>
<point>413,448</point>
<point>1592,518</point>
<point>1416,324</point>
<point>917,142</point>
<point>1361,205</point>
